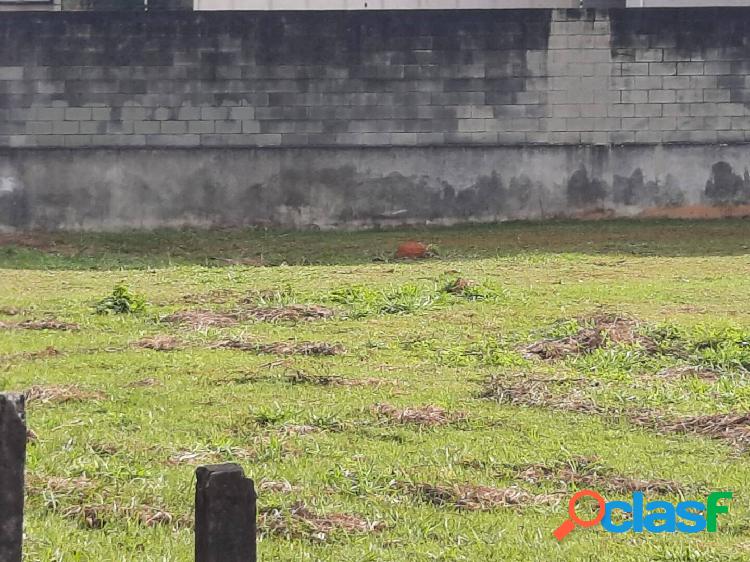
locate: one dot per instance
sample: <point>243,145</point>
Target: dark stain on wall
<point>15,211</point>
<point>584,192</point>
<point>634,190</point>
<point>725,186</point>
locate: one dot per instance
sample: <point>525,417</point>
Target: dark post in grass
<point>224,514</point>
<point>12,461</point>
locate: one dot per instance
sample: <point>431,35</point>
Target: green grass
<point>687,282</point>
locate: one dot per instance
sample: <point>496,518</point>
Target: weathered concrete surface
<point>224,514</point>
<point>107,189</point>
<point>12,465</point>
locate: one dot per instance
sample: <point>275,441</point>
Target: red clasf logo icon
<point>570,524</point>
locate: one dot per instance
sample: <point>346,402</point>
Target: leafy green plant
<point>121,301</point>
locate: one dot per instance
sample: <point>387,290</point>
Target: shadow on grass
<point>253,247</point>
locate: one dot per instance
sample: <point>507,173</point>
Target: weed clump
<point>121,301</point>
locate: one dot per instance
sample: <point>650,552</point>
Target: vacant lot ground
<point>439,409</point>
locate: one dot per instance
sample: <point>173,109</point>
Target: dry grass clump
<point>733,428</point>
<point>80,499</point>
<point>99,515</point>
<point>10,311</point>
<point>298,429</point>
<point>209,456</point>
<point>689,371</point>
<point>459,285</point>
<point>536,393</point>
<point>278,486</point>
<point>201,319</point>
<point>292,312</point>
<point>143,383</point>
<point>159,343</point>
<point>301,522</point>
<point>36,485</point>
<point>46,324</point>
<point>45,353</point>
<point>283,348</point>
<point>476,498</point>
<point>588,472</point>
<point>427,415</point>
<point>300,377</point>
<point>597,332</point>
<point>59,394</point>
<point>215,296</point>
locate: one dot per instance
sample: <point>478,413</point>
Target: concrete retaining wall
<point>343,119</point>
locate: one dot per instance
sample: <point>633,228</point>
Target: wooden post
<point>12,463</point>
<point>224,514</point>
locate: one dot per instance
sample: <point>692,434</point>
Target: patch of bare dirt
<point>585,472</point>
<point>283,348</point>
<point>536,393</point>
<point>733,428</point>
<point>689,372</point>
<point>201,319</point>
<point>477,498</point>
<point>596,332</point>
<point>292,312</point>
<point>301,522</point>
<point>59,394</point>
<point>428,415</point>
<point>159,343</point>
<point>46,324</point>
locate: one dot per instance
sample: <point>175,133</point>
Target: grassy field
<point>423,420</point>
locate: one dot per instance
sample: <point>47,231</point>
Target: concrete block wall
<point>553,112</point>
<point>365,79</point>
